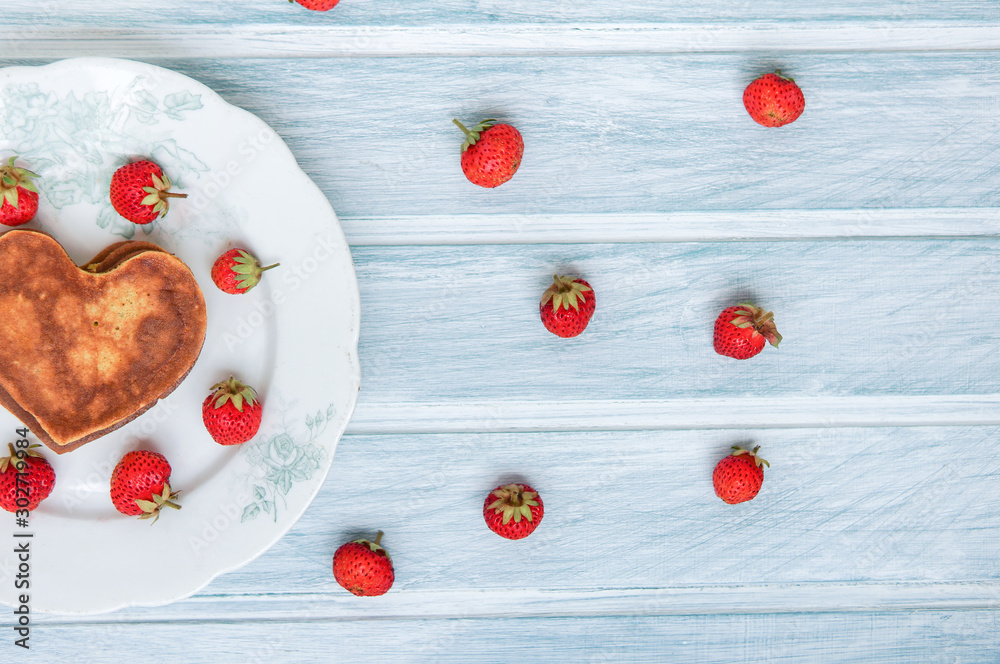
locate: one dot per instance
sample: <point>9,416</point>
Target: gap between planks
<point>693,226</point>
<point>496,603</point>
<point>463,40</point>
<point>675,414</point>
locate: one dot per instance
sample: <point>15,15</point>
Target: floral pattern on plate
<point>76,142</point>
<point>74,122</point>
<point>278,461</point>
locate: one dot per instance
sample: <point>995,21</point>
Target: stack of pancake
<point>85,350</point>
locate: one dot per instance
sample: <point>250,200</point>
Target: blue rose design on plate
<point>279,461</point>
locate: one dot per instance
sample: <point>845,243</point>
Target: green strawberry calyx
<point>374,547</point>
<point>159,194</point>
<point>777,72</point>
<point>565,292</point>
<point>151,508</point>
<point>758,460</point>
<point>7,461</point>
<point>234,391</point>
<point>248,270</point>
<point>762,322</point>
<point>514,502</point>
<point>12,177</point>
<point>472,135</point>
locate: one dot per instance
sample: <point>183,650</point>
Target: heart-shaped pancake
<point>83,352</point>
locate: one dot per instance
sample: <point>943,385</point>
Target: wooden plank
<point>277,40</point>
<point>724,225</point>
<point>883,638</point>
<point>865,318</point>
<point>643,415</point>
<point>606,135</point>
<point>746,599</point>
<point>177,14</point>
<point>635,511</point>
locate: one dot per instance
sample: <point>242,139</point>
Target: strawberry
<point>237,271</point>
<point>140,485</point>
<point>28,479</point>
<point>18,195</point>
<point>513,510</point>
<point>741,331</point>
<point>364,568</point>
<point>318,5</point>
<point>737,477</point>
<point>140,192</point>
<point>773,100</point>
<point>491,152</point>
<point>232,412</point>
<point>567,306</point>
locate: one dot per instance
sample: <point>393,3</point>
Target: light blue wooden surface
<point>870,227</point>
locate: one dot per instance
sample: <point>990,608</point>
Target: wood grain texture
<point>875,318</point>
<point>935,637</point>
<point>274,40</point>
<point>746,599</point>
<point>633,134</point>
<point>724,225</point>
<point>53,14</point>
<point>870,226</point>
<point>829,534</point>
<point>636,510</point>
<point>723,412</point>
<point>622,135</point>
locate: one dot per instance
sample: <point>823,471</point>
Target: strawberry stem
<point>472,135</point>
<point>461,126</point>
<point>168,194</point>
<point>265,269</point>
<point>378,538</point>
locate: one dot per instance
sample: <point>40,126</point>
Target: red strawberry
<point>491,153</point>
<point>140,192</point>
<point>567,306</point>
<point>741,331</point>
<point>513,510</point>
<point>29,479</point>
<point>363,567</point>
<point>773,100</point>
<point>318,5</point>
<point>232,412</point>
<point>237,271</point>
<point>18,196</point>
<point>140,485</point>
<point>737,478</point>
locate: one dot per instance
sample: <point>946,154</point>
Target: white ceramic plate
<point>294,337</point>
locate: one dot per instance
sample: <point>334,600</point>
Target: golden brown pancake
<point>83,353</point>
<point>91,265</point>
<point>111,255</point>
